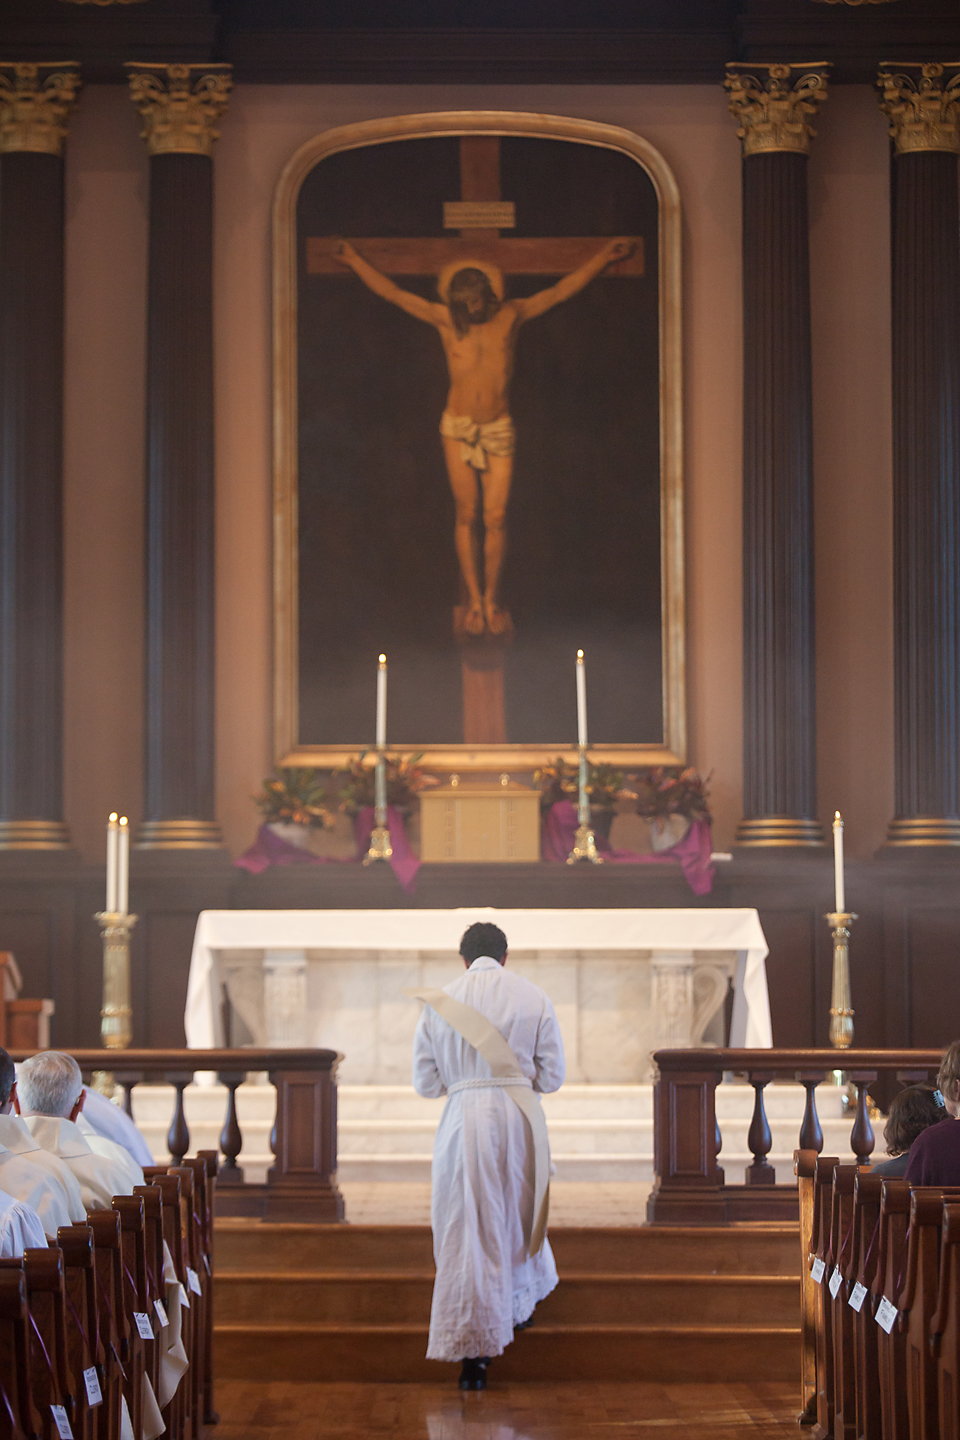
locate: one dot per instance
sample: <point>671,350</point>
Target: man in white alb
<point>490,1157</point>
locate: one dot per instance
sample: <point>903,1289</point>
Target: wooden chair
<point>84,1351</point>
<point>822,1253</point>
<point>887,1283</point>
<point>945,1326</point>
<point>18,1414</point>
<point>862,1269</point>
<point>918,1304</point>
<point>112,1320</point>
<point>841,1248</point>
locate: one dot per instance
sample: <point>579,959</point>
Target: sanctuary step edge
<point>352,1303</point>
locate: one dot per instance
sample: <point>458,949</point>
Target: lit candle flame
<point>113,817</point>
<point>383,659</point>
<point>579,654</point>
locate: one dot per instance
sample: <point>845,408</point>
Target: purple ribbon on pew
<point>692,853</point>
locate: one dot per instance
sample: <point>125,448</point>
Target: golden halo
<point>492,272</point>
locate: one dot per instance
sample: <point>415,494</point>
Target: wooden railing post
<point>759,1139</point>
<point>300,1183</point>
<point>862,1137</point>
<point>231,1139</point>
<point>689,1183</point>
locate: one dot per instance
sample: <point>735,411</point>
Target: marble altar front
<point>337,979</point>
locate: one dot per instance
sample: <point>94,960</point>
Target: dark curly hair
<point>914,1110</point>
<point>483,939</point>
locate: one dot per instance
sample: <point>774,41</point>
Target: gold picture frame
<point>288,749</point>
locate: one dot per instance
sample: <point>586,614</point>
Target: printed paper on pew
<point>836,1280</point>
<point>61,1422</point>
<point>94,1395</point>
<point>857,1296</point>
<point>886,1314</point>
<point>818,1270</point>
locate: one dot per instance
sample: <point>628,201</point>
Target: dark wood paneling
<point>779,764</point>
<point>934,973</point>
<point>31,491</point>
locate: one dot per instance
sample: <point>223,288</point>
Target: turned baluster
<point>231,1139</point>
<point>861,1136</point>
<point>759,1138</point>
<point>811,1135</point>
<point>127,1080</point>
<point>178,1136</point>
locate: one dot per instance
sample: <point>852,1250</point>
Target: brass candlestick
<point>115,1016</point>
<point>584,843</point>
<point>841,1011</point>
<point>380,847</point>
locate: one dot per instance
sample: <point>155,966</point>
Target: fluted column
<point>35,105</point>
<point>773,104</point>
<point>922,103</point>
<point>180,106</point>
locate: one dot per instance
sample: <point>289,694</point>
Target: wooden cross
<point>482,215</point>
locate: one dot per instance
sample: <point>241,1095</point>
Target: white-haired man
<point>15,1136</point>
<point>50,1097</point>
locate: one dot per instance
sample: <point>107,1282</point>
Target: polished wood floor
<point>506,1411</point>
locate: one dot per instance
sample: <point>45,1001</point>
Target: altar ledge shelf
<point>590,962</point>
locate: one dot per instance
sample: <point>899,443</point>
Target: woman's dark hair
<point>466,285</point>
<point>914,1110</point>
<point>483,939</point>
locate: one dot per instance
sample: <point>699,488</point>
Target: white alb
<point>483,1173</point>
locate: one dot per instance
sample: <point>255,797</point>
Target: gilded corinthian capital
<point>35,104</point>
<point>773,104</point>
<point>922,103</point>
<point>180,105</point>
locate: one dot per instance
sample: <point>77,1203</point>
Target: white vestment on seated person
<point>483,1165</point>
<point>20,1228</point>
<point>102,1145</point>
<point>100,1179</point>
<point>15,1134</point>
<point>112,1122</point>
<point>36,1187</point>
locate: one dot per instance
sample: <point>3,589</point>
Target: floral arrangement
<point>296,796</point>
<point>404,780</point>
<point>668,790</point>
<point>560,781</point>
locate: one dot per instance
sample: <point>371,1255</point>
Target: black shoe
<point>473,1376</point>
<point>524,1324</point>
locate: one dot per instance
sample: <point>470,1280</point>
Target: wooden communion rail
<point>301,1182</point>
<point>690,1186</point>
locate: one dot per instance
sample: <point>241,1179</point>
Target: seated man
<point>20,1228</point>
<point>15,1136</point>
<point>50,1097</point>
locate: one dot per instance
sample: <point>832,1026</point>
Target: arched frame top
<point>287,747</point>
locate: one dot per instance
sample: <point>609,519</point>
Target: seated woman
<point>935,1154</point>
<point>911,1112</point>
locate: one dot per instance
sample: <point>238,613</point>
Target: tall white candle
<point>382,704</point>
<point>840,895</point>
<point>123,866</point>
<point>113,840</point>
<point>581,700</point>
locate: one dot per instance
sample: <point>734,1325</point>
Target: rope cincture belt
<point>486,1039</point>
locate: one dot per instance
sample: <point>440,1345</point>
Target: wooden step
<point>365,1297</point>
<point>248,1245</point>
<point>395,1352</point>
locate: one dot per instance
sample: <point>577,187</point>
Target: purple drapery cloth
<point>692,853</point>
<point>270,849</point>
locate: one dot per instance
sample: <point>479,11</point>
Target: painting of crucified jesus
<point>478,329</point>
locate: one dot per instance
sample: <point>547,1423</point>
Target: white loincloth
<point>495,437</point>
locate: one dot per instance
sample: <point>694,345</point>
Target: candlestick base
<point>841,1011</point>
<point>116,1016</point>
<point>584,847</point>
<point>380,847</point>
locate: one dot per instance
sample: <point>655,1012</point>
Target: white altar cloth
<point>679,946</point>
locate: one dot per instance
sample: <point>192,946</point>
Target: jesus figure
<point>478,328</point>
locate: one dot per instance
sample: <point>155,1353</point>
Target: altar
<point>624,982</point>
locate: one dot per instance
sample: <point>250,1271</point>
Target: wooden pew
<point>50,1375</point>
<point>112,1321</point>
<point>138,1356</point>
<point>841,1248</point>
<point>861,1272</point>
<point>153,1267</point>
<point>805,1169</point>
<point>888,1281</point>
<point>167,1188</point>
<point>945,1326</point>
<point>18,1414</point>
<point>204,1168</point>
<point>192,1248</point>
<point>918,1303</point>
<point>210,1159</point>
<point>822,1258</point>
<point>84,1350</point>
